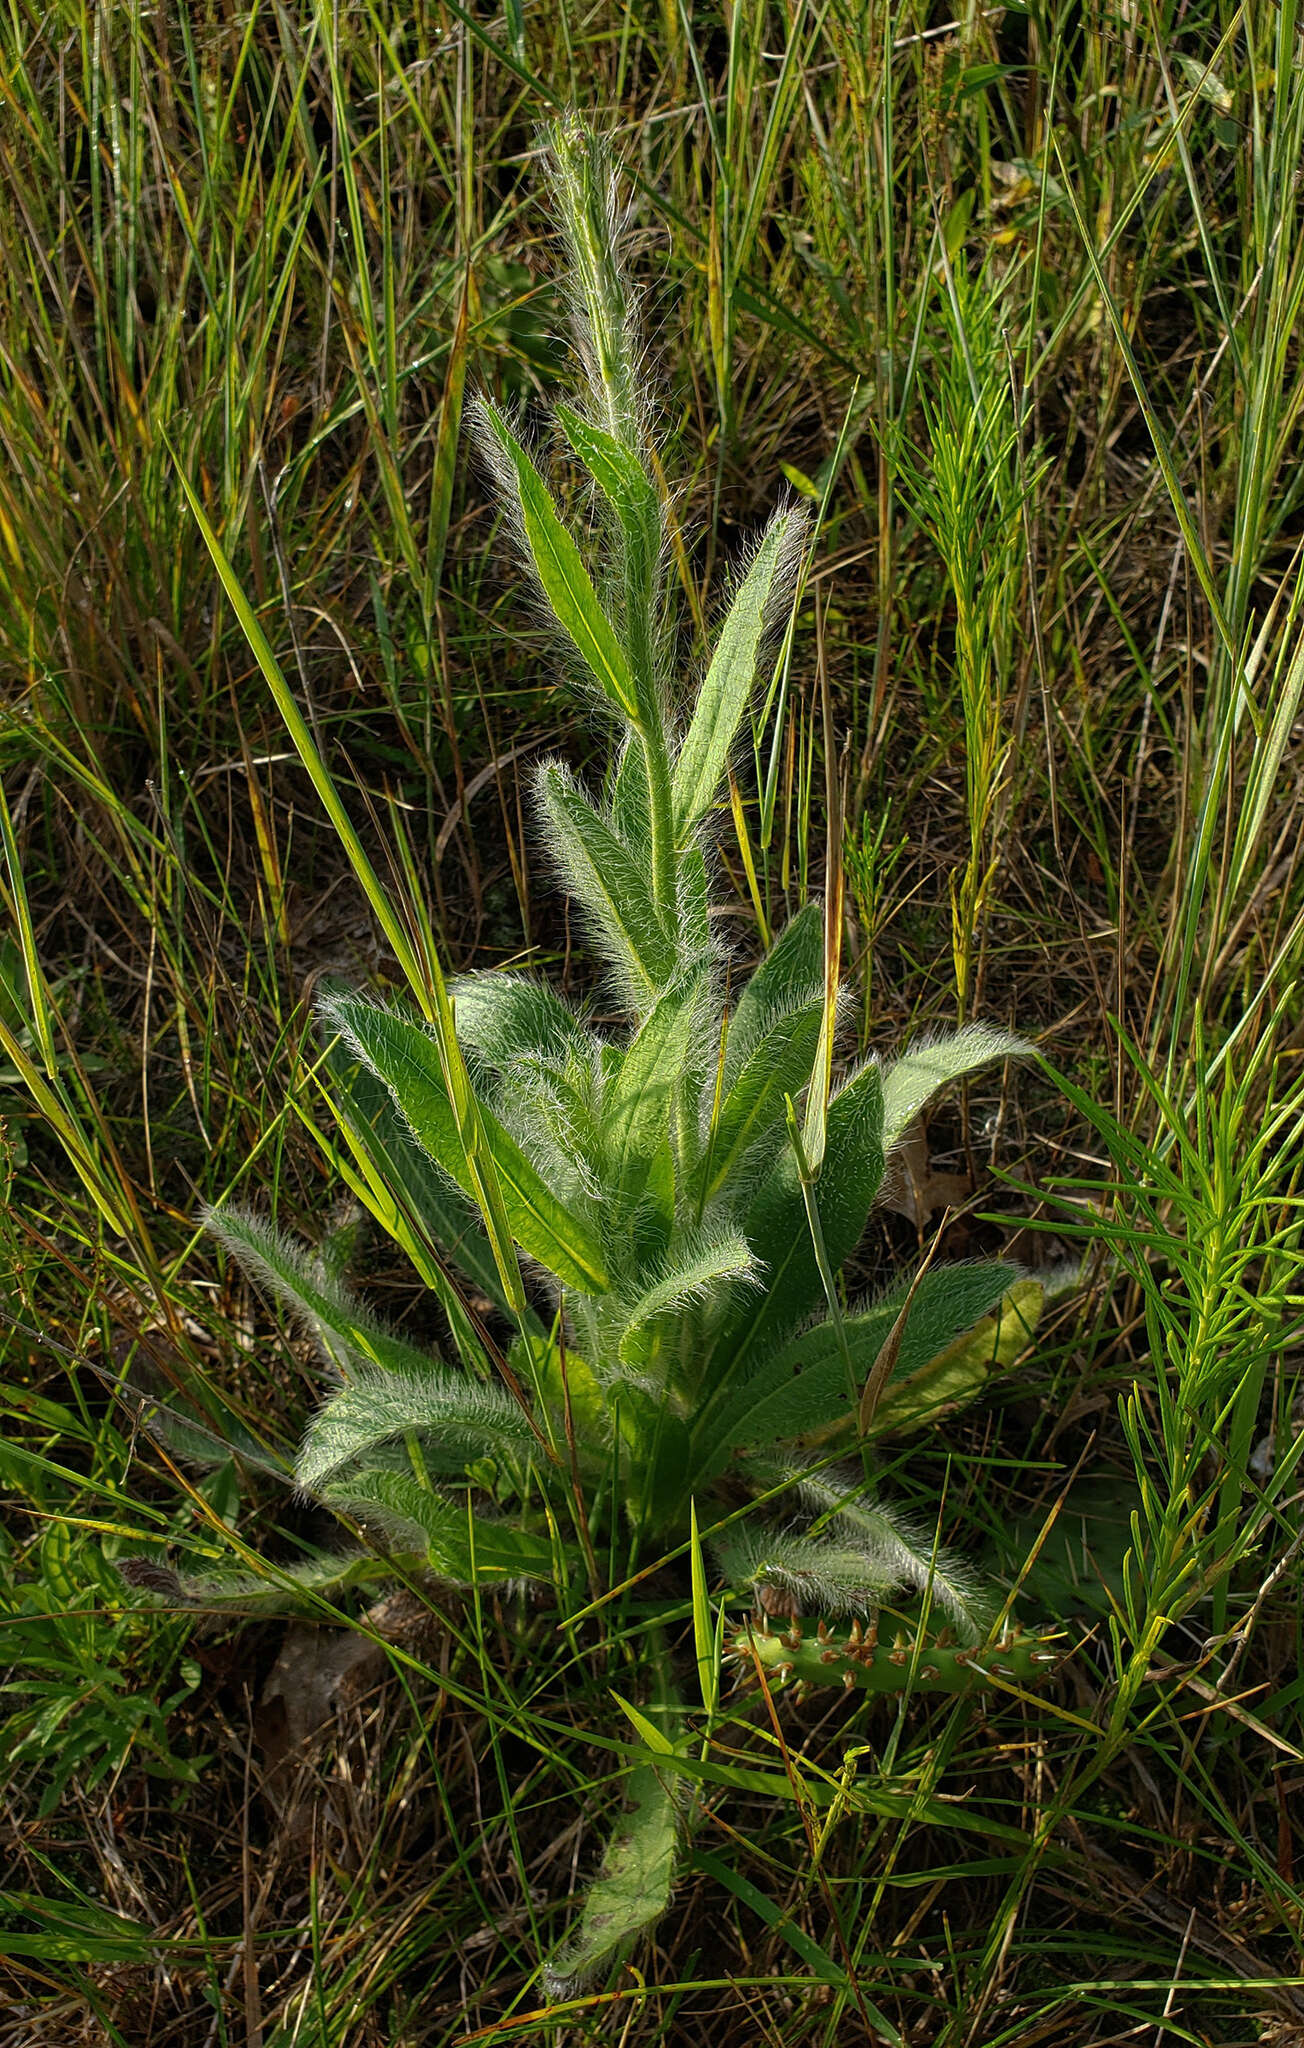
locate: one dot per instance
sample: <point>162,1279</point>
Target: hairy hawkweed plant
<point>665,1207</point>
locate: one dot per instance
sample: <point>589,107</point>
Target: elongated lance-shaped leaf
<point>907,1548</point>
<point>442,1216</point>
<point>789,977</point>
<point>754,1106</point>
<point>611,885</point>
<point>695,1272</point>
<point>802,1388</point>
<point>459,1420</point>
<point>634,511</point>
<point>628,804</point>
<point>464,1548</point>
<point>308,1587</point>
<point>776,1227</point>
<point>559,566</point>
<point>911,1081</point>
<point>633,1889</point>
<point>628,489</point>
<point>957,1375</point>
<point>867,1552</point>
<point>639,1099</point>
<point>403,1055</point>
<point>723,697</point>
<point>508,1017</point>
<point>346,1333</point>
<point>814,1573</point>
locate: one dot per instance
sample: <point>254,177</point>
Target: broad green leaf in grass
<point>632,1890</point>
<point>310,1587</point>
<point>639,1098</point>
<point>344,1331</point>
<point>611,884</point>
<point>441,1213</point>
<point>563,578</point>
<point>778,1067</point>
<point>509,1017</point>
<point>904,1546</point>
<point>911,1082</point>
<point>693,890</point>
<point>723,698</point>
<point>195,1443</point>
<point>624,483</point>
<point>779,1234</point>
<point>802,1388</point>
<point>818,1575</point>
<point>958,1374</point>
<point>477,1552</point>
<point>790,976</point>
<point>628,806</point>
<point>404,1056</point>
<point>457,1419</point>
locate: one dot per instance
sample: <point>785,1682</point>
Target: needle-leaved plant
<point>656,1213</point>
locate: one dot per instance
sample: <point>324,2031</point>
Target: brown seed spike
<point>823,1631</point>
<point>853,1634</point>
<point>793,1637</point>
<point>871,1630</point>
<point>847,1681</point>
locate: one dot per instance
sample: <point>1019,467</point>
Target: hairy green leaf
<point>695,1272</point>
<point>778,1231</point>
<point>436,1212</point>
<point>510,1017</point>
<point>624,483</point>
<point>779,1066</point>
<point>912,1081</point>
<point>639,1098</point>
<point>633,1889</point>
<point>957,1375</point>
<point>802,1388</point>
<point>347,1335</point>
<point>789,977</point>
<point>611,885</point>
<point>465,1549</point>
<point>723,696</point>
<point>459,1419</point>
<point>563,578</point>
<point>401,1052</point>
